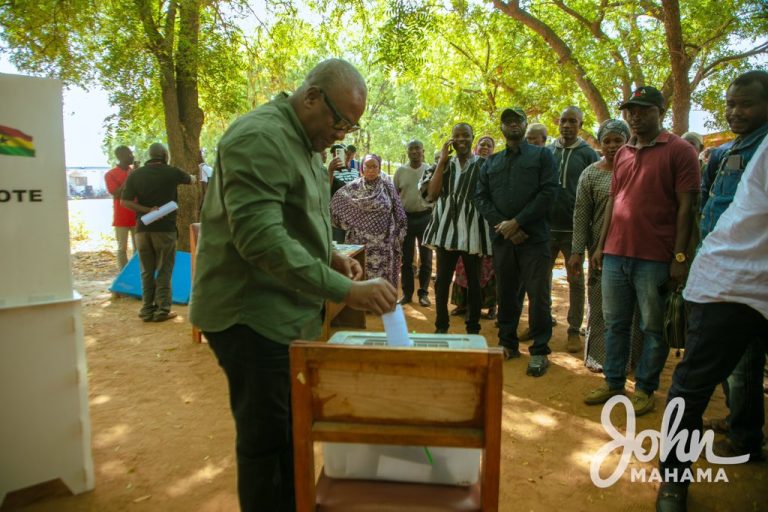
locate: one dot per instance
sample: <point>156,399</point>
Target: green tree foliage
<point>610,47</point>
<point>163,63</point>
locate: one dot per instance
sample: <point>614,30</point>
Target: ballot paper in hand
<point>396,328</point>
<point>149,218</point>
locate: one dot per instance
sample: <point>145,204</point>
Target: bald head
<point>330,102</point>
<point>158,151</point>
<point>536,134</point>
<point>334,75</point>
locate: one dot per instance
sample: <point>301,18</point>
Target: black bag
<point>675,321</point>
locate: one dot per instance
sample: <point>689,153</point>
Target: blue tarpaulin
<point>128,282</point>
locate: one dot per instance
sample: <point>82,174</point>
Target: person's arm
<point>129,200</point>
<point>136,207</point>
<point>708,174</point>
<point>400,218</point>
<point>679,270</point>
<point>114,187</point>
<point>436,183</point>
<point>254,199</point>
<point>583,210</point>
<point>334,165</point>
<point>539,206</point>
<point>483,199</point>
<point>184,178</point>
<point>596,258</point>
<point>687,180</point>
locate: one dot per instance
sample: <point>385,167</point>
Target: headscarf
<point>368,157</point>
<point>613,126</point>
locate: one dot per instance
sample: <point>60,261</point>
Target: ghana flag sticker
<point>15,142</point>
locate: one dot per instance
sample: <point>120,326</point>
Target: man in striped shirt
<point>456,229</point>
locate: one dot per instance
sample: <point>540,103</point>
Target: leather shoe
<point>424,301</point>
<point>404,301</point>
<point>672,497</point>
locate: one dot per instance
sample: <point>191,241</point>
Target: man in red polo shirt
<point>123,219</point>
<point>644,237</point>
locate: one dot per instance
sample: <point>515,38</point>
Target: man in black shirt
<point>147,189</point>
<point>515,190</point>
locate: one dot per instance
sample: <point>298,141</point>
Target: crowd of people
<point>632,209</point>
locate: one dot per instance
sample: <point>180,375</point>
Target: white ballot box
<point>424,464</point>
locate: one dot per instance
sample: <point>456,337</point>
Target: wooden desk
<point>339,315</point>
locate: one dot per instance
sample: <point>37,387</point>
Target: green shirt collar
<point>282,101</point>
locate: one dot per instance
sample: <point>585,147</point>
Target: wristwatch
<point>680,257</point>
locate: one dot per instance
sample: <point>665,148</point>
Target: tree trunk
<point>590,91</point>
<point>679,64</point>
<point>179,90</point>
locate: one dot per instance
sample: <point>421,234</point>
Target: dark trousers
<point>157,255</point>
<point>417,223</point>
<point>745,396</point>
<point>719,334</point>
<point>560,241</point>
<point>524,266</point>
<point>258,373</point>
<point>446,265</point>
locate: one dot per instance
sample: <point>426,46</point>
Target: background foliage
<point>429,64</point>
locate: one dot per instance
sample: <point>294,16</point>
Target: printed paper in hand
<point>161,212</point>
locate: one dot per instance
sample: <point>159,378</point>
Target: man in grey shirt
<point>418,211</point>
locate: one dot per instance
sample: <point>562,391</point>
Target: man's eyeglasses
<point>340,122</point>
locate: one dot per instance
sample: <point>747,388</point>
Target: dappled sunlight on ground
<point>204,475</point>
<point>164,440</point>
<point>111,436</point>
<point>100,399</point>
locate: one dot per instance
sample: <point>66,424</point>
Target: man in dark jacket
<point>514,191</point>
<point>572,156</point>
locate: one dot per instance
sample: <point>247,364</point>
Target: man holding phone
<point>456,228</point>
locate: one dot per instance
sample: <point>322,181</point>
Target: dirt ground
<point>163,437</point>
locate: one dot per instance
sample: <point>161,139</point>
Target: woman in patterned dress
<point>370,211</point>
<point>588,214</point>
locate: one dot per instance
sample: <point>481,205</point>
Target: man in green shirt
<point>265,266</point>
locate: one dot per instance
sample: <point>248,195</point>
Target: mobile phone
<point>340,154</point>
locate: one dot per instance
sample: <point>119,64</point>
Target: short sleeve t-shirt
<point>121,216</point>
<point>644,187</point>
<point>154,185</point>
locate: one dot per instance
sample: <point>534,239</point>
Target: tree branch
<point>710,68</point>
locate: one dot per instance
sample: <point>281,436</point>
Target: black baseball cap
<point>645,96</point>
<point>516,111</point>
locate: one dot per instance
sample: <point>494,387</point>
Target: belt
<point>419,214</point>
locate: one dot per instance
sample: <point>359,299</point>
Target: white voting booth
<point>44,423</point>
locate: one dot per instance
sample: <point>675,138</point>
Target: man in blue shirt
<point>746,111</point>
<point>514,192</point>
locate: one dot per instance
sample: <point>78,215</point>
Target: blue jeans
<point>626,282</point>
<point>518,267</point>
<point>719,334</point>
<point>258,374</point>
